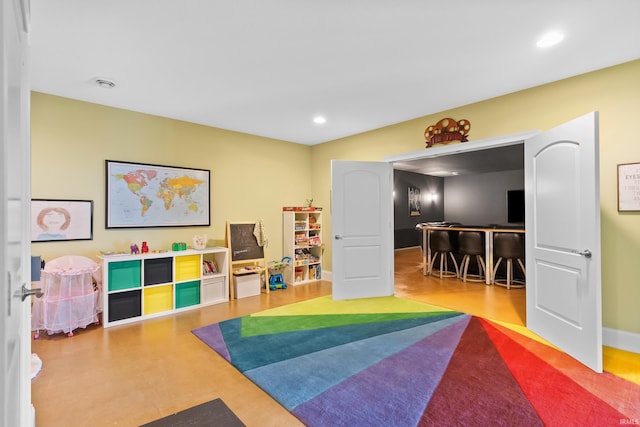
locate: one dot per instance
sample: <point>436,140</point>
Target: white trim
<point>326,275</point>
<point>480,144</point>
<point>622,340</point>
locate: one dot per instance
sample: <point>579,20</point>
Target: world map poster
<point>145,195</point>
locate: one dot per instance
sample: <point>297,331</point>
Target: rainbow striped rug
<point>395,362</point>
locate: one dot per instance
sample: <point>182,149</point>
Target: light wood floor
<point>133,374</point>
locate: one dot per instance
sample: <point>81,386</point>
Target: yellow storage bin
<point>158,299</point>
<point>188,267</point>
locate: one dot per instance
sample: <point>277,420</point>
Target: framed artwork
<point>58,220</point>
<point>629,187</point>
<point>414,201</point>
<point>144,195</point>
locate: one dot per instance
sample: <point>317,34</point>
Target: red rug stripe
<point>558,399</point>
<point>621,394</point>
<point>477,389</point>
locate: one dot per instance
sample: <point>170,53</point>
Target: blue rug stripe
<point>410,376</point>
<point>253,352</point>
<point>282,379</point>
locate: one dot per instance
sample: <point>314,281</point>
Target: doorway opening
<point>465,185</point>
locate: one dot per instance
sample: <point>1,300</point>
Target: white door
<point>563,238</point>
<point>362,229</point>
<point>15,373</point>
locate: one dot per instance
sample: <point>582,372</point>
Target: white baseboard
<point>326,275</point>
<point>621,340</point>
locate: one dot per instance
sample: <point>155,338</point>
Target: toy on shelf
<point>200,242</point>
<point>179,246</point>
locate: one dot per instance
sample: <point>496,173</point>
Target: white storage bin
<point>213,290</point>
<point>246,285</point>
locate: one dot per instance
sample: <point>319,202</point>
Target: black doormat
<point>211,414</point>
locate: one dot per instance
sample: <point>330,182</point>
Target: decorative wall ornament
<point>446,131</point>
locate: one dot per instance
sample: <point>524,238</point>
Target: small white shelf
<point>302,242</point>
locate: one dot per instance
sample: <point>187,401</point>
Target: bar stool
<point>508,246</point>
<point>440,244</point>
<point>471,246</point>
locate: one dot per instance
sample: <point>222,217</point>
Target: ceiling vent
<point>106,83</point>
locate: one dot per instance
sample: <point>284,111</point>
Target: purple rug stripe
<point>394,391</point>
<point>478,388</point>
<point>295,381</point>
<point>212,336</point>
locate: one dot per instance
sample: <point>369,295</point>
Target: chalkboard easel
<point>245,251</point>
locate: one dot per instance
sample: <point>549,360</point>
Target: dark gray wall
<point>480,199</point>
<point>405,233</point>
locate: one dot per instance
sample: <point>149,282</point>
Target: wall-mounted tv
<point>515,206</point>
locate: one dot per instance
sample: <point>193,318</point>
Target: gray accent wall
<point>404,224</point>
<point>480,199</point>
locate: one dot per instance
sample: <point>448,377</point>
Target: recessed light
<point>550,39</point>
<point>106,83</point>
<point>319,120</point>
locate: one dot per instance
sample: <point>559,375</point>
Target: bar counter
<point>488,230</point>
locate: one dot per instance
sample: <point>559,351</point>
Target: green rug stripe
<point>264,325</point>
<point>260,350</point>
<point>327,305</point>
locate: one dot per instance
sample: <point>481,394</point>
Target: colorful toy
<point>276,279</point>
<point>134,249</point>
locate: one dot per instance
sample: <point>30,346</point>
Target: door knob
<point>337,237</point>
<point>25,292</point>
<point>586,253</point>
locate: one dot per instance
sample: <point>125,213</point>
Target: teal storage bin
<point>124,275</point>
<point>187,294</point>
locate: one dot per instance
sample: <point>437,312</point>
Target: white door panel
<point>362,229</point>
<point>357,262</point>
<point>558,207</point>
<point>563,239</point>
<point>15,184</point>
<point>559,301</point>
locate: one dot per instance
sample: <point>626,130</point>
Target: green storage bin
<point>187,294</point>
<point>124,275</point>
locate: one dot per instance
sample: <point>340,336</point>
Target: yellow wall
<point>614,92</point>
<point>253,180</point>
<point>251,177</point>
